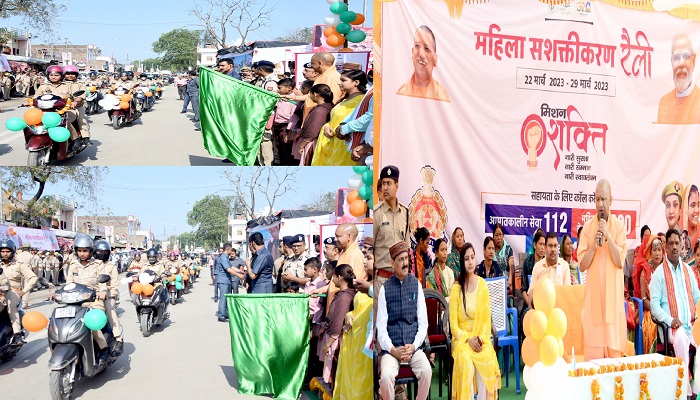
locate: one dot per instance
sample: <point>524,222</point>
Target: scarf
<point>361,110</point>
<point>671,290</point>
<point>435,279</point>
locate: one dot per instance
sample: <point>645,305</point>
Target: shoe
<point>226,161</point>
<point>222,319</point>
<point>183,112</point>
<point>195,120</point>
<point>18,338</point>
<point>103,356</point>
<point>119,349</point>
<point>75,146</point>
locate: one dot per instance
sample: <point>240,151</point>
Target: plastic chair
<point>439,336</point>
<point>638,338</point>
<point>500,315</point>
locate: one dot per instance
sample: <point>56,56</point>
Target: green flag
<point>233,116</point>
<point>269,342</point>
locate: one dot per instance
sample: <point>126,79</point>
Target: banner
<point>37,238</point>
<point>364,230</point>
<point>358,57</point>
<point>274,362</point>
<point>233,115</point>
<point>519,108</point>
<point>271,236</point>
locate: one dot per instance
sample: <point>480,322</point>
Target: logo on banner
<point>427,208</point>
<point>563,127</point>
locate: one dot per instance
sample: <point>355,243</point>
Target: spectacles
<point>677,58</point>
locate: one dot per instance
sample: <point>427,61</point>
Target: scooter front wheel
<point>60,385</point>
<point>115,122</point>
<point>173,298</point>
<point>37,158</point>
<point>145,321</point>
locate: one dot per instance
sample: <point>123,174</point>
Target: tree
<point>83,182</point>
<point>305,35</point>
<point>209,216</point>
<point>322,202</point>
<point>217,17</point>
<point>40,15</point>
<point>148,64</point>
<point>248,184</point>
<point>179,48</point>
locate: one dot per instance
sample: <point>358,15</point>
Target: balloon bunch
<point>340,24</point>
<point>543,346</point>
<point>41,120</point>
<point>362,196</point>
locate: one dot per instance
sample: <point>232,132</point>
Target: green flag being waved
<point>233,116</point>
<point>269,342</point>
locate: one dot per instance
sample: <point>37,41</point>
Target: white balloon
<point>526,376</point>
<point>332,1</point>
<point>354,183</point>
<point>145,278</point>
<point>369,161</point>
<point>332,20</point>
<point>125,281</point>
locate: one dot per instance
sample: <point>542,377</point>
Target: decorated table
<point>648,376</point>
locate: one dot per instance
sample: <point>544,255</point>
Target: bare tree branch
<point>244,16</point>
<point>247,184</point>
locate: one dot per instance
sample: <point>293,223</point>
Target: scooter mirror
<point>103,278</point>
<point>79,93</point>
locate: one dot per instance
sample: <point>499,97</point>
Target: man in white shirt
<point>402,325</point>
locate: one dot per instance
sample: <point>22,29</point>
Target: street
<point>189,356</point>
<point>162,136</point>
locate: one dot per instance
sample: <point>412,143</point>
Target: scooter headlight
<point>76,327</point>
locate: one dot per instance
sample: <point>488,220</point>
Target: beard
<point>682,83</point>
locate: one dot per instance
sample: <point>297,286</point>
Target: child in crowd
<point>312,268</point>
<point>292,287</point>
<point>322,95</point>
<point>294,126</point>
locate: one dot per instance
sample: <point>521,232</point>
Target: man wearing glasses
<point>293,269</point>
<point>680,106</point>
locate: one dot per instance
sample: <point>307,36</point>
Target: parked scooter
<point>42,149</point>
<point>151,310</point>
<point>74,354</point>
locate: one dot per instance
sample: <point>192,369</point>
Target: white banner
<point>36,238</point>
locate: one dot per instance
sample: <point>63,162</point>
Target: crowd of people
<point>325,121</point>
<point>667,286</point>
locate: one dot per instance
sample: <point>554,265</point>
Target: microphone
<point>600,240</point>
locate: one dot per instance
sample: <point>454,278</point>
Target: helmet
<point>183,254</point>
<point>152,255</point>
<point>8,244</point>
<point>93,74</point>
<point>102,250</point>
<point>54,69</point>
<point>172,254</point>
<point>192,256</point>
<point>124,73</point>
<point>83,241</point>
<point>70,68</point>
<point>143,76</point>
<point>130,74</point>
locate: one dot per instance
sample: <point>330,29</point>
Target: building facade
<point>125,230</point>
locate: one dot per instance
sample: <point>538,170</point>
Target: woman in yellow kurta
<point>353,379</point>
<point>470,323</point>
<point>331,150</point>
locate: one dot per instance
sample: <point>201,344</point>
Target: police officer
<point>21,280</point>
<point>293,270</point>
<point>102,252</point>
<point>154,262</point>
<point>390,225</point>
<point>85,271</point>
<point>70,75</point>
<point>58,87</point>
<point>331,252</point>
<point>136,263</point>
<point>5,85</point>
<point>51,267</point>
<point>285,252</point>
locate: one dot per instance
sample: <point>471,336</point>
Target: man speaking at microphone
<point>601,251</point>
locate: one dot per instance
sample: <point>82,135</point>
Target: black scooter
<point>151,310</point>
<point>74,354</point>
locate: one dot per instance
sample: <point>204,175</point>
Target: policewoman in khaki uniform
<point>102,252</point>
<point>85,271</point>
<point>57,86</point>
<point>154,264</point>
<point>16,274</point>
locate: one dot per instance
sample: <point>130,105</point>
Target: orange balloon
<point>329,31</point>
<point>137,288</point>
<point>125,97</point>
<point>172,278</point>
<point>358,20</point>
<point>346,50</point>
<point>33,116</point>
<point>335,40</point>
<point>147,289</point>
<point>358,208</point>
<point>34,321</point>
<point>531,351</point>
<point>696,330</point>
<point>124,105</point>
<point>352,196</point>
<point>185,278</point>
<point>526,322</point>
<point>93,89</point>
<point>149,94</point>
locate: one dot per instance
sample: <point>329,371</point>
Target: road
<point>162,136</point>
<point>187,357</point>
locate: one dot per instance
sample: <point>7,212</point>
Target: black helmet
<point>124,73</point>
<point>143,76</point>
<point>183,254</point>
<point>93,74</point>
<point>102,250</point>
<point>83,241</point>
<point>130,74</point>
<point>8,244</point>
<point>152,255</point>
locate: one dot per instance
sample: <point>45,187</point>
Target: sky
<point>160,197</point>
<point>140,23</point>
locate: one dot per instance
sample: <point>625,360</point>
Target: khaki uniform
<point>51,268</point>
<point>136,265</point>
<point>111,301</point>
<point>295,266</point>
<point>87,275</point>
<point>63,89</point>
<point>158,267</point>
<point>82,120</point>
<point>125,84</point>
<point>390,227</point>
<point>5,86</point>
<point>20,277</point>
<point>4,288</point>
<point>277,267</point>
<point>96,82</point>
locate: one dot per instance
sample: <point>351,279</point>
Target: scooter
<point>152,310</point>
<point>145,97</point>
<point>8,349</point>
<point>42,149</point>
<point>92,99</point>
<point>74,354</point>
<point>118,116</point>
<point>172,289</point>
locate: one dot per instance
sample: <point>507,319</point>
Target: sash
<point>671,290</point>
<point>356,137</point>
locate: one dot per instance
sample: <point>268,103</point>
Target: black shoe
<point>226,161</point>
<point>75,146</point>
<point>183,112</point>
<point>119,349</point>
<point>103,356</point>
<point>18,338</point>
<point>222,319</point>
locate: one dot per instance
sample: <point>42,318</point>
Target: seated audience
<point>552,266</point>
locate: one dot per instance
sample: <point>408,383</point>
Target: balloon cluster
<point>543,346</point>
<point>36,117</point>
<point>340,24</point>
<point>362,195</point>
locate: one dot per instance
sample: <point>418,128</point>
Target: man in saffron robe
<point>422,84</point>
